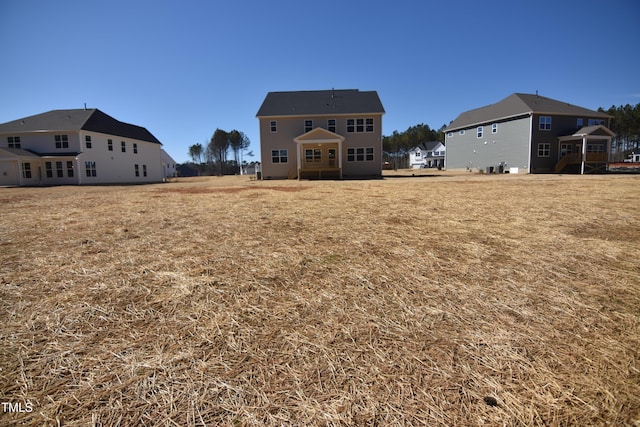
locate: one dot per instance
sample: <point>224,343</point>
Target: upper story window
<point>595,122</point>
<point>13,141</point>
<point>480,131</point>
<point>360,125</point>
<point>110,144</point>
<point>62,141</point>
<point>87,141</point>
<point>273,126</point>
<point>135,148</point>
<point>123,146</point>
<point>494,128</point>
<point>545,122</point>
<point>580,122</point>
<point>331,125</point>
<point>308,125</point>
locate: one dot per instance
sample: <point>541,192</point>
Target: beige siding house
<point>330,134</point>
<point>80,146</point>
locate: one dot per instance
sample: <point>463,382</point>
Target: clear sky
<point>184,68</point>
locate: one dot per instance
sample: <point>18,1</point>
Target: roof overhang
<point>590,132</point>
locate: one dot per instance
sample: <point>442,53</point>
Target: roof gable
<point>520,104</point>
<point>92,120</point>
<point>320,102</point>
<point>319,135</point>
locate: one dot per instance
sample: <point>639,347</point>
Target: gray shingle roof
<point>326,102</point>
<point>92,120</point>
<point>520,104</point>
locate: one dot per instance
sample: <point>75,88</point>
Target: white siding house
<point>77,147</point>
<point>427,155</point>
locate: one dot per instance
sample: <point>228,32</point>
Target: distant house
<point>529,133</point>
<point>427,155</point>
<point>169,167</point>
<point>81,146</point>
<point>321,134</point>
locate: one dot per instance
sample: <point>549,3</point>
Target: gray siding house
<point>321,134</point>
<point>529,133</point>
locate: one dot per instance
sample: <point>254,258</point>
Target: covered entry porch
<point>588,149</point>
<point>319,155</point>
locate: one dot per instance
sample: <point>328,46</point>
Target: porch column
<point>340,157</point>
<point>298,160</point>
<point>584,154</point>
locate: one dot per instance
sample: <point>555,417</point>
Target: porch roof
<point>598,132</point>
<point>319,136</point>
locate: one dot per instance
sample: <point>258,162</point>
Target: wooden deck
<point>594,161</point>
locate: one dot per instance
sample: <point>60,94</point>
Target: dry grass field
<point>457,300</point>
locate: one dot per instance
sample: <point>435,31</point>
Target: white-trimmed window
<point>312,155</point>
<point>596,122</point>
<point>279,156</point>
<point>26,170</point>
<point>545,122</point>
<point>110,144</point>
<point>90,169</point>
<point>136,170</point>
<point>595,148</point>
<point>565,149</point>
<point>144,170</point>
<point>449,134</point>
<point>360,154</point>
<point>13,141</point>
<point>273,126</point>
<point>331,125</point>
<point>308,125</point>
<point>123,146</point>
<point>48,167</point>
<point>62,141</point>
<point>494,128</point>
<point>59,170</point>
<point>87,141</point>
<point>360,125</point>
<point>544,149</point>
<point>135,148</point>
<point>69,168</point>
<point>480,131</point>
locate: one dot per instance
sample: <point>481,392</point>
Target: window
<point>313,155</point>
<point>580,123</point>
<point>48,167</point>
<point>62,141</point>
<point>461,132</point>
<point>494,128</point>
<point>308,125</point>
<point>135,148</point>
<point>360,154</point>
<point>595,148</point>
<point>136,169</point>
<point>273,126</point>
<point>59,170</point>
<point>544,149</point>
<point>110,144</point>
<point>449,134</point>
<point>545,123</point>
<point>565,149</point>
<point>480,131</point>
<point>595,122</point>
<point>26,170</point>
<point>144,170</point>
<point>87,141</point>
<point>418,153</point>
<point>124,146</point>
<point>13,141</point>
<point>279,156</point>
<point>369,123</point>
<point>70,169</point>
<point>90,167</point>
<point>331,125</point>
<point>360,125</point>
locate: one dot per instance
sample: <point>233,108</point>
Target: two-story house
<point>529,133</point>
<point>427,155</point>
<point>80,146</point>
<point>321,134</point>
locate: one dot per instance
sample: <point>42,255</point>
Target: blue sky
<point>184,68</point>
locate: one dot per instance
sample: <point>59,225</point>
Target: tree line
<point>396,146</point>
<point>626,125</point>
<point>212,158</point>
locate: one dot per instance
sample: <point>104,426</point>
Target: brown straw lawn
<point>429,300</point>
